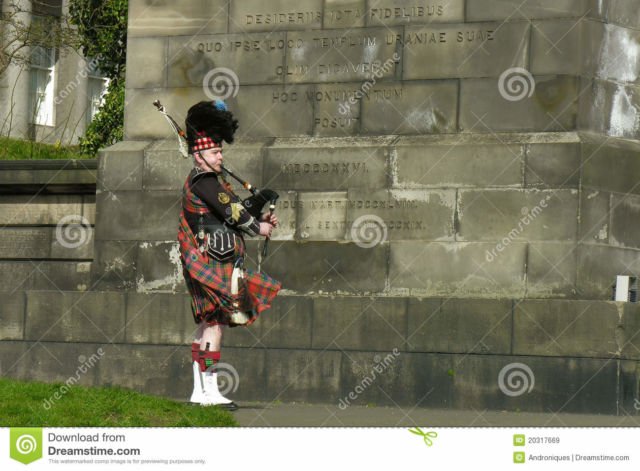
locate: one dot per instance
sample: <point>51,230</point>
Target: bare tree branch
<point>18,35</point>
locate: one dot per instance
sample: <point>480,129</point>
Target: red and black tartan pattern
<point>203,143</point>
<point>192,202</point>
<point>209,281</point>
<point>208,359</point>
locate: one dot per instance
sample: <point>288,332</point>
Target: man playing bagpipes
<point>213,221</point>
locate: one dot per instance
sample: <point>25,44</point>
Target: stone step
<point>509,215</point>
<point>48,177</point>
<point>573,356</point>
<point>552,328</point>
<point>536,270</point>
<point>47,214</point>
<point>283,414</point>
<point>344,378</point>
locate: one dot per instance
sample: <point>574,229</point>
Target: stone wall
<point>611,103</point>
<point>509,215</point>
<point>426,218</point>
<point>407,352</point>
<point>470,128</point>
<point>47,216</point>
<point>429,67</point>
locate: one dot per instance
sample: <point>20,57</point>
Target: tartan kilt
<point>209,283</point>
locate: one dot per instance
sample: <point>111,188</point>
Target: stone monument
<point>458,186</point>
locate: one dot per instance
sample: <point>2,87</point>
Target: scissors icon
<point>425,436</point>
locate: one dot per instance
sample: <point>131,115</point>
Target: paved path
<point>329,415</point>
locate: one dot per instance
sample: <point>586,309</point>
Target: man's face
<point>210,159</point>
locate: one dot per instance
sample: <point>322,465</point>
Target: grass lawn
<point>15,149</point>
<point>23,404</point>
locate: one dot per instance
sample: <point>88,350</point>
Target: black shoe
<point>230,406</point>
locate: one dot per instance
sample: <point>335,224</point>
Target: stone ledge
<point>48,176</point>
<point>450,381</point>
<point>598,330</point>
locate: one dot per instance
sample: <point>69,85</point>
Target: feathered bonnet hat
<point>209,123</point>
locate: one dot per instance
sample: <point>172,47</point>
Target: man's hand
<point>270,218</point>
<point>265,229</point>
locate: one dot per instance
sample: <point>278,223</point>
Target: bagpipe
<point>255,203</point>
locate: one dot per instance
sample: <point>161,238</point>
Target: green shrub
<point>102,27</point>
<point>107,126</point>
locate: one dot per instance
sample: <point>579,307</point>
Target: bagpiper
<point>213,223</point>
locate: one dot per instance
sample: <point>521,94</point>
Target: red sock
<point>208,359</point>
<point>195,349</point>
